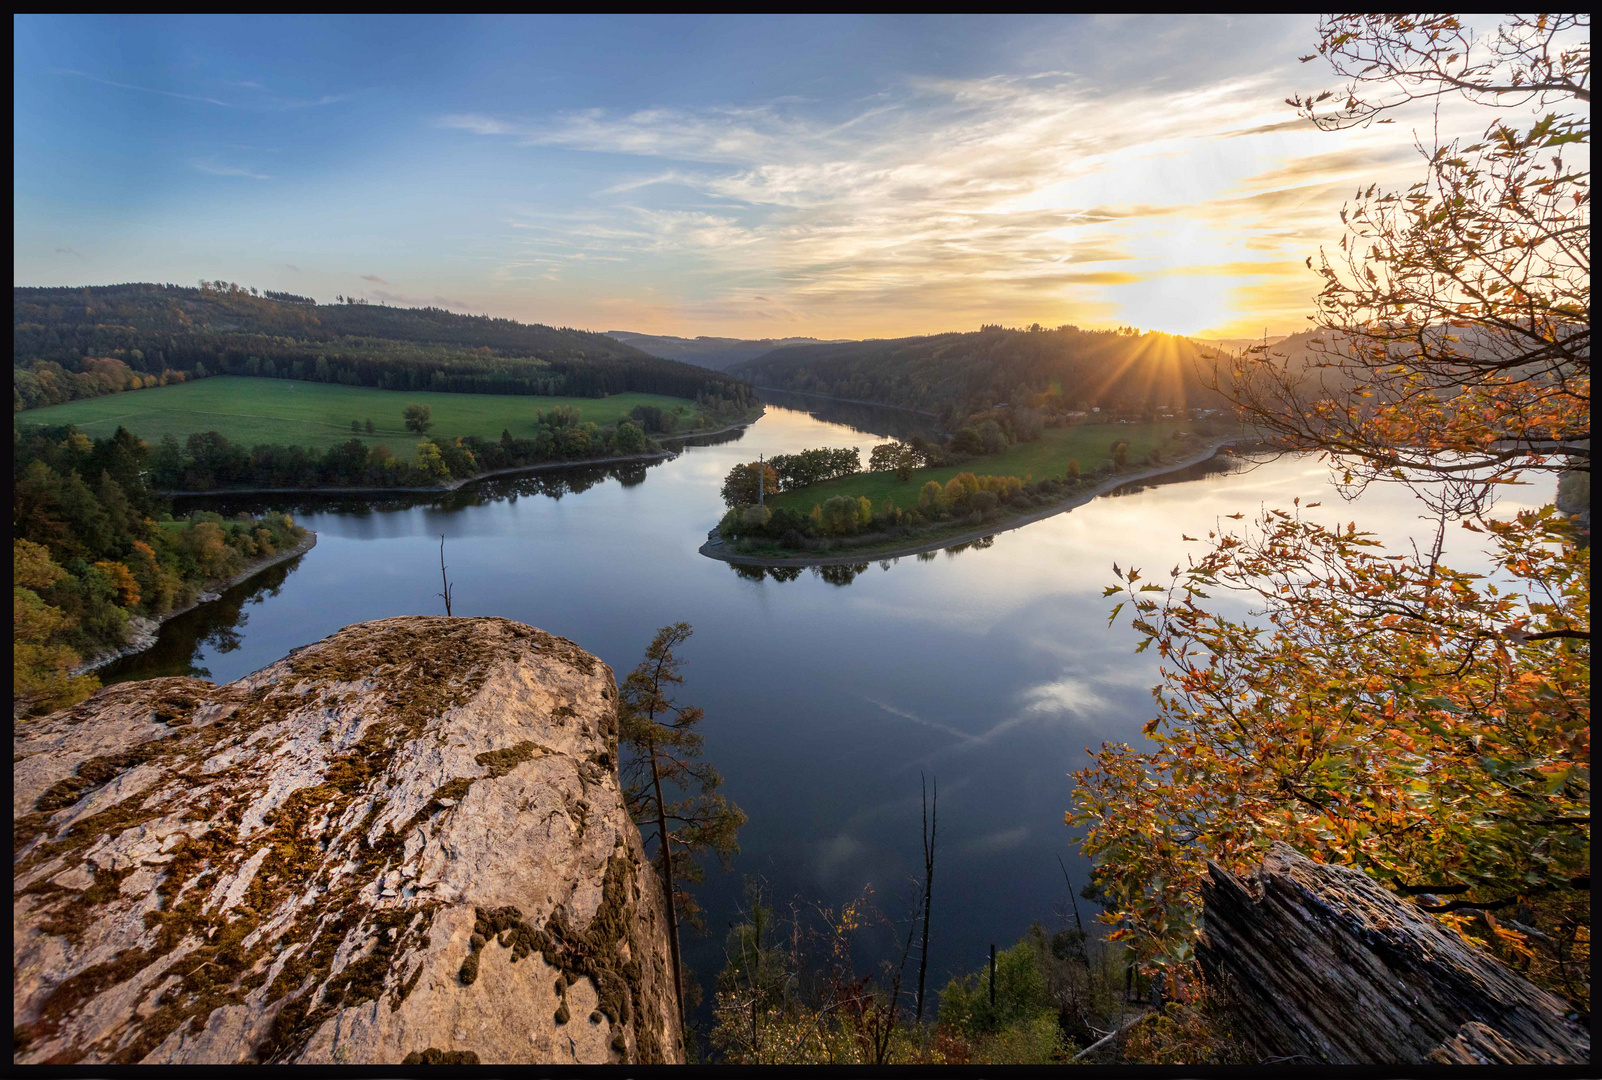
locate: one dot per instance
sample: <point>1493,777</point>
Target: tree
<point>369,426</point>
<point>629,439</point>
<point>740,486</point>
<point>931,822</point>
<point>1119,453</point>
<point>896,456</point>
<point>1387,711</point>
<point>665,749</point>
<point>419,418</point>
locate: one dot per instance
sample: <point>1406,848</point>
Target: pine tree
<point>664,752</point>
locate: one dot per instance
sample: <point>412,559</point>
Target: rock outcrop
<point>1326,966</point>
<point>405,843</point>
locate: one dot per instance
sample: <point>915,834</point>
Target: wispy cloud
<point>67,251</point>
<point>403,300</point>
<point>215,169</point>
<point>954,199</point>
<point>265,102</point>
<point>376,279</point>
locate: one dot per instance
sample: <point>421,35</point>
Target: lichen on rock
<point>402,844</point>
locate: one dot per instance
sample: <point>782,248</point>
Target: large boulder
<point>404,843</point>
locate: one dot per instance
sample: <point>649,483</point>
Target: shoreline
<point>145,636</point>
<point>868,555</point>
<point>456,485</point>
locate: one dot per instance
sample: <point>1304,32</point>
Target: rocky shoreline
<point>142,632</point>
<point>719,550</point>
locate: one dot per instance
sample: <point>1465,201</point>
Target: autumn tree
<point>419,418</point>
<point>1381,709</point>
<point>671,794</point>
<point>740,486</point>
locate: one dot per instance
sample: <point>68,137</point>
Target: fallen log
<point>1322,962</point>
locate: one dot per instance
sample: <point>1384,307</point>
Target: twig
<point>1108,1038</point>
<point>446,581</point>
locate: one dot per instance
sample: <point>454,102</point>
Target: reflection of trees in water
<point>1215,466</point>
<point>977,545</point>
<point>214,626</point>
<point>868,419</point>
<point>834,575</point>
<point>840,575</point>
<point>550,483</point>
<point>718,438</point>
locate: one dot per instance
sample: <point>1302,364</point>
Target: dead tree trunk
<point>1324,964</point>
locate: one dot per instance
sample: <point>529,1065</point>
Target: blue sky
<point>831,176</point>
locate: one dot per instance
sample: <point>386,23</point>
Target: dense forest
<point>957,374</point>
<point>83,342</point>
<point>717,353</point>
<point>93,546</point>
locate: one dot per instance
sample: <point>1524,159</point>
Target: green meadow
<point>254,411</point>
<point>1089,444</point>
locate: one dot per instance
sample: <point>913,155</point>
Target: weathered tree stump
<point>1325,965</point>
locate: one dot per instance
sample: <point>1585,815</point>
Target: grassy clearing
<point>1090,444</point>
<point>284,411</point>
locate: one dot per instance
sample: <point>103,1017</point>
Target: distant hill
<point>1236,344</point>
<point>81,342</point>
<point>959,373</point>
<point>716,353</point>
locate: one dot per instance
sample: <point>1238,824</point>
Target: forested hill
<point>957,374</point>
<point>716,353</point>
<point>78,342</point>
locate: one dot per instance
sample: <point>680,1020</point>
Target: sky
<point>745,177</point>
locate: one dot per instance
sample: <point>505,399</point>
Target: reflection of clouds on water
<point>1065,695</point>
<point>993,843</point>
<point>836,852</point>
<point>916,719</point>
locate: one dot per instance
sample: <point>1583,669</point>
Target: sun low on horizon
<point>831,177</point>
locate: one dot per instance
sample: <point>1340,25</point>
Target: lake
<point>827,693</point>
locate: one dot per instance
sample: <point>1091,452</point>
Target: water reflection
<point>870,419</point>
<point>212,628</point>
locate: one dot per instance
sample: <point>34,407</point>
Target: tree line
<point>208,461</point>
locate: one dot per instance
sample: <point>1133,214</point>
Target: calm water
<point>990,669</point>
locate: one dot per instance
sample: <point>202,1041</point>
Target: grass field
<point>1090,444</point>
<point>254,411</point>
